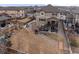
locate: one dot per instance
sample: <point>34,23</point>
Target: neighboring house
<point>77,18</point>
<point>13,12</point>
<point>30,12</point>
<point>77,23</point>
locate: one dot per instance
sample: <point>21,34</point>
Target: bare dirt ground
<point>26,41</point>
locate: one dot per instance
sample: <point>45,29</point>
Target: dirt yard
<point>26,41</point>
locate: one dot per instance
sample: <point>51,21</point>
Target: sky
<point>45,2</point>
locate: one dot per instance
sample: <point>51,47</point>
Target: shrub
<point>73,43</point>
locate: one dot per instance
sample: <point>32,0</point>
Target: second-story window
<point>42,13</point>
<point>54,14</point>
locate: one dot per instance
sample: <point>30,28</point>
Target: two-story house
<point>47,15</point>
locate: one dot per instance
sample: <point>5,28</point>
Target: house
<point>48,15</point>
<point>75,19</point>
<point>13,11</point>
<point>77,23</point>
<point>42,15</point>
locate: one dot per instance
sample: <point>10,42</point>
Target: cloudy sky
<point>53,2</point>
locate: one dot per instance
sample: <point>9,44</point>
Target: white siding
<point>77,18</point>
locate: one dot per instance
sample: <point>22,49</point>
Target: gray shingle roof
<point>3,18</point>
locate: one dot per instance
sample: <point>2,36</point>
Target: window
<point>54,14</point>
<point>42,20</point>
<point>42,13</point>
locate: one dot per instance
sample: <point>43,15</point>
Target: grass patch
<point>55,36</point>
<point>73,43</point>
<point>73,40</point>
